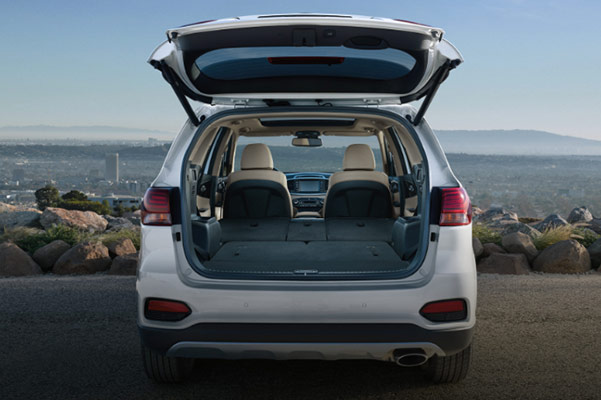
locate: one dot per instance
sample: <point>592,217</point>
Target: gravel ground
<point>538,337</point>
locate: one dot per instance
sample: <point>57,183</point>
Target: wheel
<point>162,369</point>
<point>449,369</point>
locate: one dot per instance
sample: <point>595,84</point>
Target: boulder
<point>565,257</point>
<point>594,251</point>
<point>580,215</point>
<point>11,219</point>
<point>84,220</point>
<point>124,265</point>
<point>595,225</point>
<point>46,256</point>
<point>84,258</point>
<point>498,263</point>
<point>496,214</point>
<point>16,262</point>
<point>520,243</point>
<point>118,223</point>
<point>121,247</point>
<point>491,248</point>
<point>477,247</point>
<point>519,227</point>
<point>552,221</point>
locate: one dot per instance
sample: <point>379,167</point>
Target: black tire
<point>450,369</point>
<point>163,369</point>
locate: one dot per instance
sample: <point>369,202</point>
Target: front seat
<point>358,190</point>
<point>257,190</point>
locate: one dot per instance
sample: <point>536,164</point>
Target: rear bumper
<point>305,341</point>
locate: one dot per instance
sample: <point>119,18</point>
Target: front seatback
<point>358,190</point>
<point>257,190</point>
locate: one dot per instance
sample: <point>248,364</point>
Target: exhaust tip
<point>410,357</point>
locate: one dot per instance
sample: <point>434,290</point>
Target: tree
<point>47,196</point>
<point>74,195</point>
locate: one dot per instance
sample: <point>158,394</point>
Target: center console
<point>308,190</point>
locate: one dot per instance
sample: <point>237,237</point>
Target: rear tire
<point>449,369</point>
<point>163,369</point>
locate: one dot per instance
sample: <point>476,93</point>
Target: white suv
<point>361,250</point>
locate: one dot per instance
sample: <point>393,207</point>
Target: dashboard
<point>308,189</point>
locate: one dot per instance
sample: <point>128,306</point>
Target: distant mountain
<point>519,142</point>
<point>94,132</point>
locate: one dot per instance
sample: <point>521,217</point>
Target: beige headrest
<point>358,157</point>
<point>256,156</point>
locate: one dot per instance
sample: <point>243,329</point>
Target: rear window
<point>327,158</point>
<point>264,62</point>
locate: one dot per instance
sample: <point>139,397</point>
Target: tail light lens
<point>166,310</point>
<point>456,208</point>
<point>445,310</point>
<point>156,207</point>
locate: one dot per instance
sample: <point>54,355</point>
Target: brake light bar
<point>305,60</point>
<point>445,310</point>
<point>456,208</point>
<point>166,310</point>
<point>156,207</point>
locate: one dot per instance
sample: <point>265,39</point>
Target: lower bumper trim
<point>225,338</point>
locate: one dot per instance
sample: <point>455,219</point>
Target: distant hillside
<point>512,142</point>
<point>94,132</point>
<point>518,142</point>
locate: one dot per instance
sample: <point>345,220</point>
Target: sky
<point>528,64</point>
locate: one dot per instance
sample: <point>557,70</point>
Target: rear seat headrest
<point>358,157</point>
<point>256,156</point>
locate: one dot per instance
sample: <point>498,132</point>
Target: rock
<point>121,247</point>
<point>579,215</point>
<point>521,243</point>
<point>11,219</point>
<point>491,248</point>
<point>594,251</point>
<point>16,262</point>
<point>552,221</point>
<point>124,265</point>
<point>46,256</point>
<point>519,227</point>
<point>133,217</point>
<point>595,225</point>
<point>496,214</point>
<point>84,220</point>
<point>477,246</point>
<point>498,263</point>
<point>565,257</point>
<point>118,223</point>
<point>84,258</point>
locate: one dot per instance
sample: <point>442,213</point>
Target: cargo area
<point>306,246</point>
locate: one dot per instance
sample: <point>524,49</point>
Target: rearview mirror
<point>306,141</point>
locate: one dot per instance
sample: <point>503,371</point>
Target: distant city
<point>116,172</point>
<point>120,172</point>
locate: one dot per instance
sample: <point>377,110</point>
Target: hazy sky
<point>528,64</point>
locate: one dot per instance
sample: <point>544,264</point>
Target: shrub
<point>485,234</point>
<point>86,205</point>
<point>585,237</point>
<point>31,239</point>
<point>110,237</point>
<point>553,235</point>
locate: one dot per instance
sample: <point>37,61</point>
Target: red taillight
<point>305,60</point>
<point>156,208</point>
<point>166,310</point>
<point>445,311</point>
<point>456,208</point>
